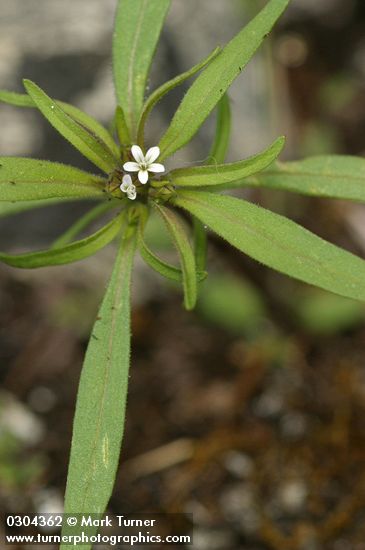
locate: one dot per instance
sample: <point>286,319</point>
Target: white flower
<point>128,187</point>
<point>144,163</point>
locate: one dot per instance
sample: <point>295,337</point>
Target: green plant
<point>267,237</point>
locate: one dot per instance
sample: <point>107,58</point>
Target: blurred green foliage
<point>231,303</point>
<point>328,314</point>
<point>18,468</point>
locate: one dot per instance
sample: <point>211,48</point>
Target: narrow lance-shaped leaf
<point>200,244</point>
<point>80,137</point>
<point>158,94</point>
<point>213,82</point>
<point>101,401</point>
<point>94,127</point>
<point>186,254</point>
<point>67,254</point>
<point>84,222</point>
<point>122,128</point>
<point>278,242</point>
<point>337,176</point>
<point>23,179</point>
<point>217,155</point>
<point>138,26</point>
<point>16,99</point>
<point>220,145</point>
<point>10,208</point>
<point>222,175</point>
<point>24,100</point>
<point>160,266</point>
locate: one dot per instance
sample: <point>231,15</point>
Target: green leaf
<point>24,100</point>
<point>223,175</point>
<point>186,254</point>
<point>160,266</point>
<point>278,242</point>
<point>200,244</point>
<point>83,222</point>
<point>211,85</point>
<point>338,177</point>
<point>232,303</point>
<point>158,94</point>
<point>138,26</point>
<point>18,100</point>
<point>78,250</point>
<point>88,143</point>
<point>10,208</point>
<point>217,155</point>
<point>101,401</point>
<point>23,179</point>
<point>97,130</point>
<point>222,132</point>
<point>163,268</point>
<point>122,128</point>
<point>327,314</point>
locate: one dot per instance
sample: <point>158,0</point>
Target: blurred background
<point>250,411</point>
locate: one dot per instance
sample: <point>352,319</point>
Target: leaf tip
<point>280,143</point>
<point>28,84</point>
<point>188,306</point>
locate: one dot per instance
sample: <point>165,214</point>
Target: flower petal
<point>152,154</point>
<point>131,166</point>
<point>132,193</point>
<point>156,167</point>
<point>143,176</point>
<point>138,154</point>
<point>125,187</point>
